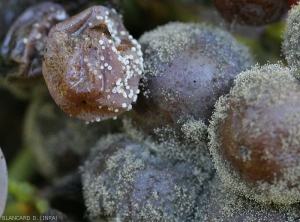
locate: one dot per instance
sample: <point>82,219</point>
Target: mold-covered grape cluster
<point>206,129</point>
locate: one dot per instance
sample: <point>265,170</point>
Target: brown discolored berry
<point>92,66</point>
<point>251,12</point>
<point>23,46</point>
<point>187,67</point>
<point>254,135</point>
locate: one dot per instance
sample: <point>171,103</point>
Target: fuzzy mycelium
<point>291,38</point>
<point>92,65</point>
<point>219,203</point>
<point>128,181</point>
<point>23,46</point>
<point>255,135</point>
<point>187,67</point>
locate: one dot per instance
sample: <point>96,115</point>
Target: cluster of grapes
<point>196,102</point>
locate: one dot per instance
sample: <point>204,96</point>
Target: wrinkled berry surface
<point>23,46</point>
<point>92,65</point>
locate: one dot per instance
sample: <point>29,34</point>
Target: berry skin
<point>187,67</point>
<point>254,135</point>
<point>251,12</point>
<point>23,46</point>
<point>92,66</point>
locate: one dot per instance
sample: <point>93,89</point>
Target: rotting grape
<point>187,66</point>
<point>92,65</point>
<point>23,46</point>
<point>252,12</point>
<point>254,135</point>
<point>128,181</point>
<point>10,10</point>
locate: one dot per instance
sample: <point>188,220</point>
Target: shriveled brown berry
<point>92,66</point>
<point>23,46</point>
<point>255,135</point>
<point>252,12</point>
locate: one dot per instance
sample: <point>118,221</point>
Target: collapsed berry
<point>92,66</point>
<point>254,135</point>
<point>187,67</point>
<point>252,12</point>
<point>23,46</point>
<point>9,12</point>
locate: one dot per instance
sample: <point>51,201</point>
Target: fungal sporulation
<point>186,72</point>
<point>291,38</point>
<point>127,181</point>
<point>90,68</point>
<point>254,135</point>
